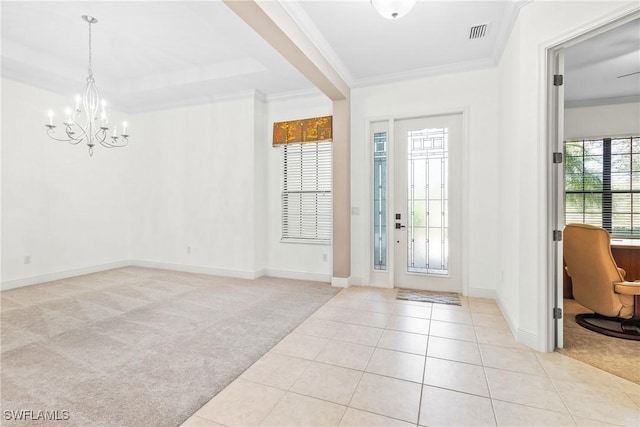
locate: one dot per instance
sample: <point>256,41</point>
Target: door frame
<point>555,94</point>
<point>553,122</point>
<point>385,278</point>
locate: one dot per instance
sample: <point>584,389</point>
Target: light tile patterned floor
<point>366,359</point>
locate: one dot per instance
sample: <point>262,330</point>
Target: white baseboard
<point>43,278</point>
<point>241,274</point>
<point>359,281</point>
<point>299,275</point>
<point>523,337</point>
<point>483,293</point>
<point>528,339</point>
<point>340,282</point>
<point>510,322</point>
<point>371,285</point>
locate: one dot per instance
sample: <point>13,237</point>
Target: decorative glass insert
<point>602,184</point>
<point>380,200</point>
<point>428,201</point>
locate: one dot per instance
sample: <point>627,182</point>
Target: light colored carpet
<point>140,347</point>
<point>617,356</point>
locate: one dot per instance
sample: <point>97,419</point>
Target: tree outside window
<point>602,184</point>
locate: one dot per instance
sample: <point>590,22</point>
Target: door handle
<point>399,226</point>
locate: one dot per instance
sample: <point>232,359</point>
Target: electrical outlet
<point>27,259</point>
<point>188,249</point>
<point>325,257</point>
<point>355,210</point>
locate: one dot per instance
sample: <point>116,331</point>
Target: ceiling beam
<point>272,22</point>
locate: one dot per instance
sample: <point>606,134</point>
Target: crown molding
<point>576,103</point>
<point>509,17</point>
<point>285,96</point>
<point>460,67</point>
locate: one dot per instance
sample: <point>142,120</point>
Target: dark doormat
<point>429,296</point>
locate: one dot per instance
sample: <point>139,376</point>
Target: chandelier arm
<point>50,131</point>
<point>70,139</point>
<point>117,142</point>
<point>101,135</point>
<point>70,131</point>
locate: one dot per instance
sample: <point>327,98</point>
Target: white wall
<point>509,181</point>
<point>602,121</point>
<point>475,93</point>
<point>296,260</point>
<point>66,210</point>
<point>198,184</point>
<point>204,178</point>
<point>523,203</point>
<point>261,145</point>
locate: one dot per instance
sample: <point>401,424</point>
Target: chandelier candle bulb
<point>77,102</point>
<point>124,128</point>
<point>50,118</point>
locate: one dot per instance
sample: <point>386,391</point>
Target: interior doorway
<point>595,91</point>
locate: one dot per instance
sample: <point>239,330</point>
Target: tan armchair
<point>599,284</point>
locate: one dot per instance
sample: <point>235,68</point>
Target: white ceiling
<point>593,68</point>
<point>150,55</point>
<point>146,55</point>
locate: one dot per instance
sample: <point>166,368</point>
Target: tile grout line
<point>424,369</point>
<point>358,384</point>
<point>292,383</point>
<point>364,371</point>
<point>553,384</point>
<point>486,378</point>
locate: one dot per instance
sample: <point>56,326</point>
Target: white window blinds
<point>306,192</point>
<point>602,184</point>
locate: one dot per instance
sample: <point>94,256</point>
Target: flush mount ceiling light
<point>91,131</point>
<point>393,9</point>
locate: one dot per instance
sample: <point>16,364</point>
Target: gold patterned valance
<point>317,129</point>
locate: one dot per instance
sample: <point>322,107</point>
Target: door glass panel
<point>427,201</point>
<point>380,201</point>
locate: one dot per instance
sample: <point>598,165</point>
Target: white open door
<point>557,220</point>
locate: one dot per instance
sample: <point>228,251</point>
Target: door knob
<point>399,226</point>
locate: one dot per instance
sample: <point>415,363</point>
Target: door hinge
<point>557,313</point>
<point>557,157</point>
<point>558,79</point>
<point>557,235</point>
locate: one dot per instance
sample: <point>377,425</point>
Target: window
<point>428,201</point>
<point>602,184</point>
<point>306,192</point>
<point>380,200</point>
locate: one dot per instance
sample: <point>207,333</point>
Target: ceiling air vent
<point>478,31</point>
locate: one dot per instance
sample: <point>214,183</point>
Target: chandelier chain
<point>90,65</point>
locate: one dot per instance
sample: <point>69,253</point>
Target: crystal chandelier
<point>393,9</point>
<point>93,129</point>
